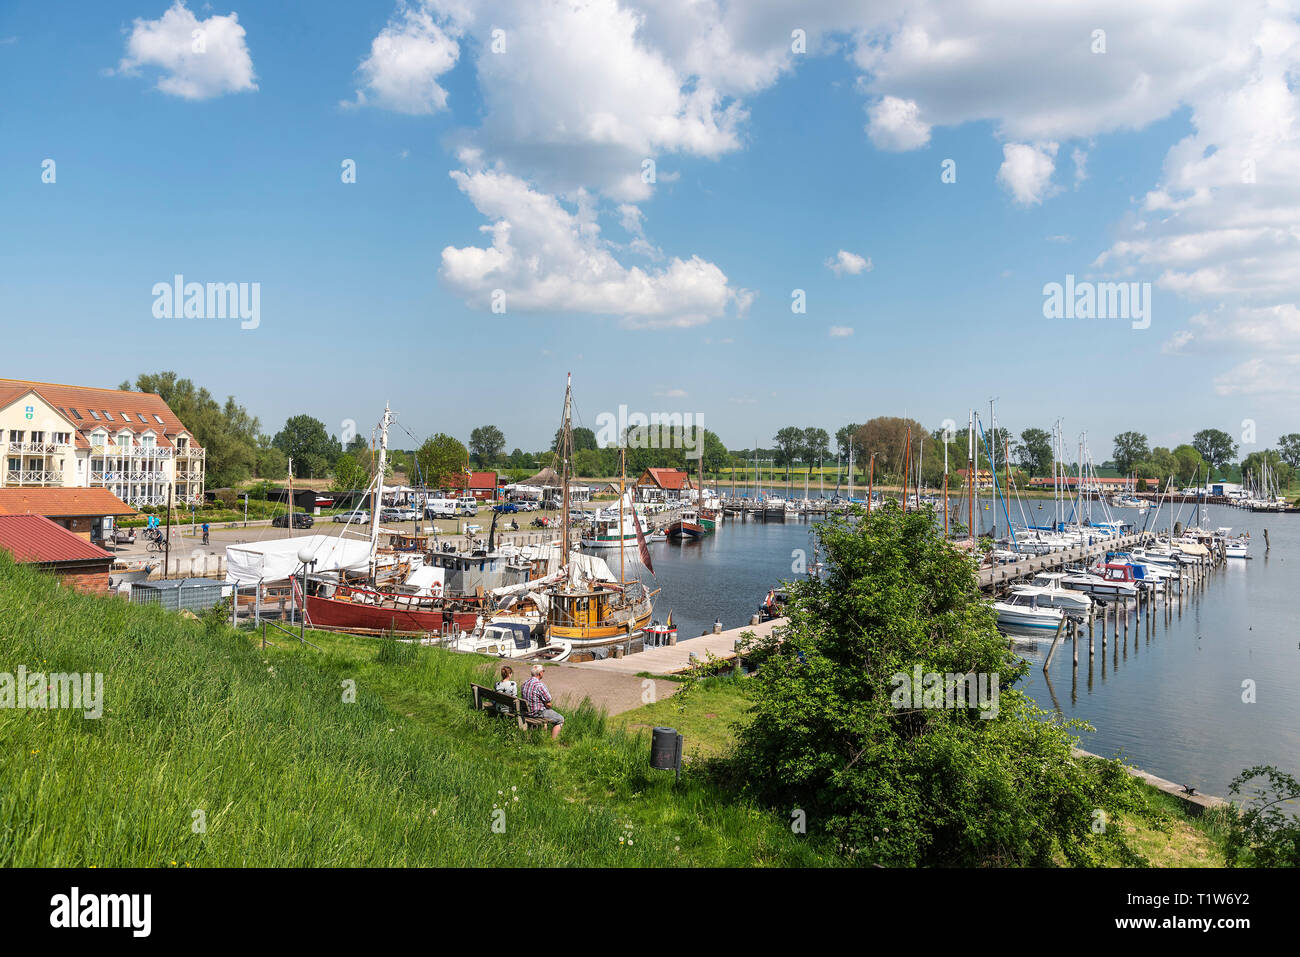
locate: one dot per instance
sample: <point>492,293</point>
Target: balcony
<point>37,448</point>
<point>32,477</point>
<point>131,451</point>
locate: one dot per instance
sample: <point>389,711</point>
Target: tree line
<point>239,450</point>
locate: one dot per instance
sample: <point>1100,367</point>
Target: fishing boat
<point>400,595</point>
<point>591,614</point>
<point>687,525</point>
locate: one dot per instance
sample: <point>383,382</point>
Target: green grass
<point>286,773</point>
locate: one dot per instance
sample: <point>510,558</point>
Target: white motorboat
<point>1049,590</point>
<point>1099,586</point>
<point>1019,612</point>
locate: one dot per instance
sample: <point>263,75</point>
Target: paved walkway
<point>614,691</point>
<point>675,659</point>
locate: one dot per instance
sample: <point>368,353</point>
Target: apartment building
<point>130,443</point>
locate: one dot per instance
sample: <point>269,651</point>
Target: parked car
<point>507,508</point>
<point>361,517</point>
<point>466,506</point>
<point>300,520</point>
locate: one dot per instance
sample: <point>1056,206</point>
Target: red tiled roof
<point>670,478</point>
<point>62,502</point>
<point>34,539</point>
<point>75,402</point>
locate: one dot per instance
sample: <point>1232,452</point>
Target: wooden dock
<point>995,575</point>
<point>675,659</point>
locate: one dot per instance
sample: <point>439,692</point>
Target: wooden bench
<point>488,699</point>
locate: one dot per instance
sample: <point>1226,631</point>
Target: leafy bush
<point>916,785</point>
<point>1264,833</point>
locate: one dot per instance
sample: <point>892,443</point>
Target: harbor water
<point>1178,704</point>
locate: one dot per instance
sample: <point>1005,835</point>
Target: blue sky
<point>769,163</point>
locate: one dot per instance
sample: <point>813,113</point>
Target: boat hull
<point>337,614</point>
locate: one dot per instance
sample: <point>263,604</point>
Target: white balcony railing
<point>132,451</point>
<point>32,477</point>
<point>37,448</point>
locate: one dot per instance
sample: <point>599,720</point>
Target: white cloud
<point>1275,377</point>
<point>1080,159</point>
<point>406,61</point>
<point>847,263</point>
<point>546,258</point>
<point>199,59</point>
<point>1026,171</point>
<point>896,125</point>
<point>841,332</point>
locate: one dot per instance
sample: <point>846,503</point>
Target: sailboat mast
<point>622,481</point>
<point>907,465</point>
<point>565,446</point>
<point>379,492</point>
<point>970,475</point>
<point>945,485</point>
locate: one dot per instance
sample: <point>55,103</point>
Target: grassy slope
<point>290,775</point>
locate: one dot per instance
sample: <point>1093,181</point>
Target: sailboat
<point>592,615</point>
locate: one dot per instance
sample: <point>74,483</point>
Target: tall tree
<point>486,443</point>
<point>886,438</point>
<point>1190,465</point>
<point>844,438</point>
<point>443,461</point>
<point>1034,453</point>
<point>349,474</point>
<point>789,446</point>
<point>816,445</point>
<point>1130,449</point>
<point>304,440</point>
<point>1290,449</point>
<point>583,438</point>
<point>228,433</point>
<point>1215,446</point>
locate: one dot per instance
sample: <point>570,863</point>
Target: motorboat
<point>1029,612</point>
<point>1116,582</point>
<point>1049,590</point>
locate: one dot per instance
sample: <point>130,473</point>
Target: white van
<point>466,506</point>
<point>440,508</point>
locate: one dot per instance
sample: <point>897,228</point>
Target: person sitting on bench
<point>537,699</point>
<point>507,685</point>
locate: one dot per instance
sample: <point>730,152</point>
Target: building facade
<point>130,443</point>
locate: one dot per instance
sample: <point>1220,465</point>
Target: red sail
<point>641,545</point>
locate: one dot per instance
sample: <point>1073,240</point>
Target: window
<point>143,420</point>
<point>38,436</point>
<point>108,416</point>
<point>16,435</point>
<point>158,418</point>
<point>93,414</point>
<point>126,416</point>
<point>75,414</point>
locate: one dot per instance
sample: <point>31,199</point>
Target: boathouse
<point>664,485</point>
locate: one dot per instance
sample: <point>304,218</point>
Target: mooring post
<point>1091,619</point>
